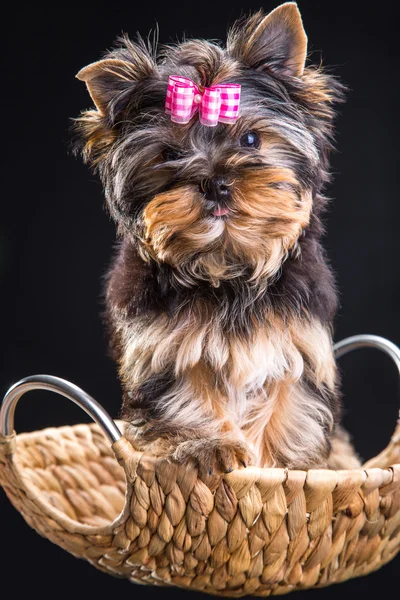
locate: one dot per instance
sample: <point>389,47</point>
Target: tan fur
<point>173,228</point>
<point>317,90</point>
<point>268,219</point>
<point>268,216</point>
<point>99,137</point>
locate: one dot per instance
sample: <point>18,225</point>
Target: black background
<point>56,239</point>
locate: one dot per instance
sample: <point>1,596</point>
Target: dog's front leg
<point>181,415</point>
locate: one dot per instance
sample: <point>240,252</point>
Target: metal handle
<point>62,387</point>
<point>390,455</point>
<point>368,341</point>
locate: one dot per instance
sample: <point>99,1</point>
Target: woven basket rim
<point>129,458</point>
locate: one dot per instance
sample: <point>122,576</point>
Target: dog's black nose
<point>216,189</point>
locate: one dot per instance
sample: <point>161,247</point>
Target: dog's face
<point>214,202</point>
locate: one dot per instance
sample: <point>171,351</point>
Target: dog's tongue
<point>220,211</point>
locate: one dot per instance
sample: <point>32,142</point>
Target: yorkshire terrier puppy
<point>220,300</point>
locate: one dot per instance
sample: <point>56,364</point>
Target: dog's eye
<point>250,139</point>
<point>170,154</point>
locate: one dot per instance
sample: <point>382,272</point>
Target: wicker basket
<point>258,531</point>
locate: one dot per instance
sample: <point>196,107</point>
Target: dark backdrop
<point>56,239</point>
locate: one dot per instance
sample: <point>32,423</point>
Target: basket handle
<point>391,454</point>
<point>62,387</point>
<point>368,341</point>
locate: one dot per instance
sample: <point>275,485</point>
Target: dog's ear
<point>112,78</point>
<point>275,42</point>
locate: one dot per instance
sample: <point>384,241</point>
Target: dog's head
<point>213,202</point>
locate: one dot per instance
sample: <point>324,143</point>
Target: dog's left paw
<point>214,456</point>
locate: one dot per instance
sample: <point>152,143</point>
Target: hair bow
<point>216,104</point>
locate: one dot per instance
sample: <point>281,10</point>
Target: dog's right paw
<point>214,456</point>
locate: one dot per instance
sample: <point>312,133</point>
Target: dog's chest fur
<point>276,378</point>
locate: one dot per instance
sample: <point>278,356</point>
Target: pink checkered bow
<point>217,104</point>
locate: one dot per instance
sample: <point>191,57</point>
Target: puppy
<point>220,300</point>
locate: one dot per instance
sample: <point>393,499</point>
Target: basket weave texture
<point>255,532</point>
